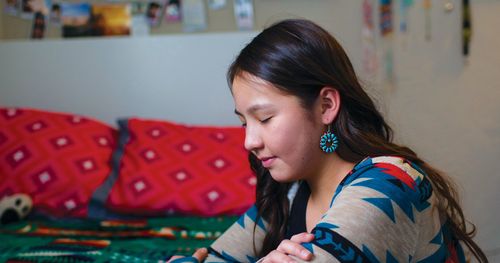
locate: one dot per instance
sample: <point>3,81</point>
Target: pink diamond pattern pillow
<point>172,168</point>
<point>58,159</point>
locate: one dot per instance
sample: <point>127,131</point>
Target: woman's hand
<point>289,248</point>
<point>199,255</point>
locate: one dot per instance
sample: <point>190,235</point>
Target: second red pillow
<point>172,168</point>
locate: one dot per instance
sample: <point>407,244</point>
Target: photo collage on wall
<point>121,17</point>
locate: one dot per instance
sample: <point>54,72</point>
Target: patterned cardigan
<point>383,211</point>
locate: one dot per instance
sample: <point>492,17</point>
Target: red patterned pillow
<point>57,159</point>
<point>172,168</point>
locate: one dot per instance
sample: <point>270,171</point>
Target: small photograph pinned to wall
<point>140,26</point>
<point>194,15</point>
<point>30,7</point>
<point>110,19</point>
<point>173,11</point>
<point>216,4</point>
<point>75,19</point>
<point>154,12</point>
<point>243,11</point>
<point>11,7</point>
<point>55,14</point>
<point>39,25</point>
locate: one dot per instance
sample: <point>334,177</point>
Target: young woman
<point>331,184</point>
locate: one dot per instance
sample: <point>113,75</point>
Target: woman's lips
<point>267,162</point>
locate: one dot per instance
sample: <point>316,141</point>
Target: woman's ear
<point>329,103</point>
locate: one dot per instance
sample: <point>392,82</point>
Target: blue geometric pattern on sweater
<point>252,213</point>
<point>438,239</point>
<point>400,193</point>
<point>369,255</point>
<point>337,245</point>
<point>327,225</point>
<point>389,258</point>
<point>353,175</point>
<point>442,253</point>
<point>383,204</point>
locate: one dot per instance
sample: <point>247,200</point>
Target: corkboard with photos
<point>53,19</point>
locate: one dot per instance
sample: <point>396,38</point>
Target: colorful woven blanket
<point>151,240</point>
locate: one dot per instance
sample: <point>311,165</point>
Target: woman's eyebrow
<point>254,108</point>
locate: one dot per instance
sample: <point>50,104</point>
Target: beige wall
<point>451,116</point>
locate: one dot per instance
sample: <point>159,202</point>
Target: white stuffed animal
<point>14,208</point>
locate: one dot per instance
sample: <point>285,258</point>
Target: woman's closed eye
<point>266,120</point>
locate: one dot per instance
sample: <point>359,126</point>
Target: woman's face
<point>279,131</point>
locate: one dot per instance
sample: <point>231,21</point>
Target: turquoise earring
<point>328,142</point>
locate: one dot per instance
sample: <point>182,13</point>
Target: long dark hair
<point>300,58</point>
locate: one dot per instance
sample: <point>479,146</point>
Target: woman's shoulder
<point>387,167</point>
<point>381,198</point>
<point>394,177</point>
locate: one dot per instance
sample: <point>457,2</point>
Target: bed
<point>140,192</point>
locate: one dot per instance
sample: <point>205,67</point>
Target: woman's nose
<point>252,139</point>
